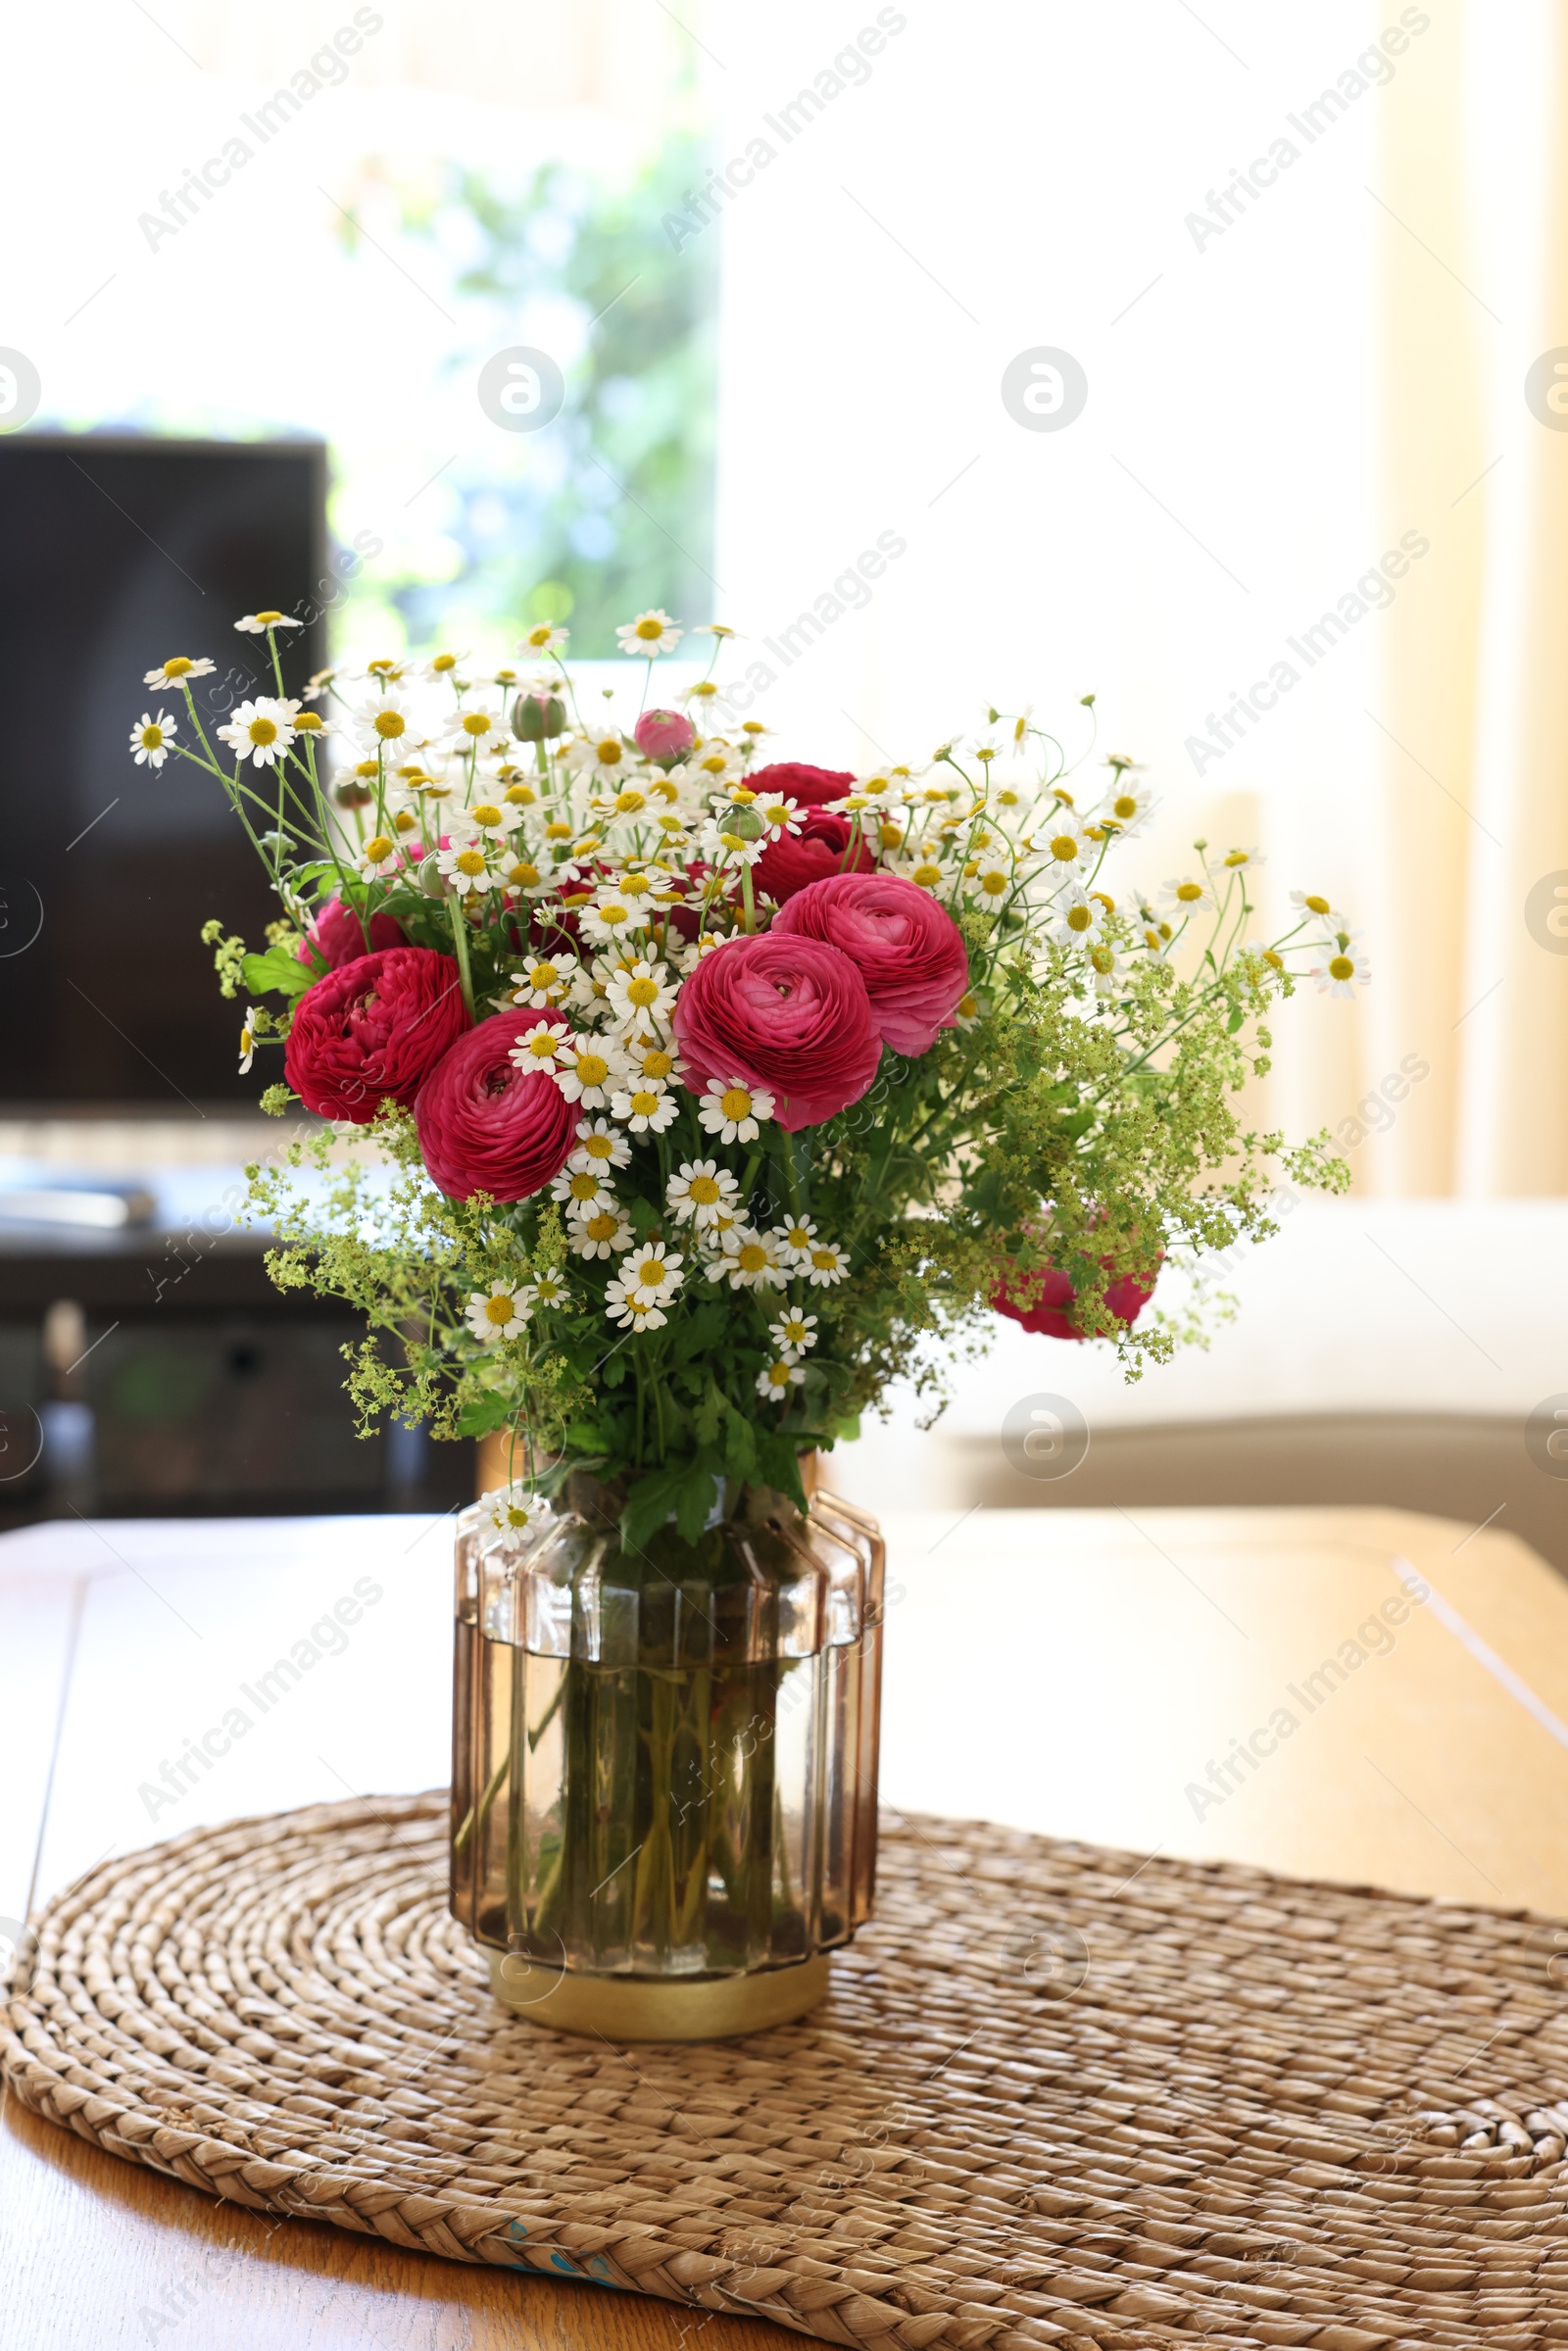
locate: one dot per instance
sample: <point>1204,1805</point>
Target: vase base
<point>645,2008</point>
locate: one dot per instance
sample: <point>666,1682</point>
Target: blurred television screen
<point>118,553</point>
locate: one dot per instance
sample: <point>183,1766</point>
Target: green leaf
<point>1237,1016</point>
<point>740,1446</point>
<point>695,1502</point>
<point>277,973</point>
<point>651,1502</point>
<point>482,1415</point>
<point>644,1215</point>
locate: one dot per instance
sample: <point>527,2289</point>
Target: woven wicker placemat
<point>1054,2092</point>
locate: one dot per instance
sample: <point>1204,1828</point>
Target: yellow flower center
<point>798,1236</point>
<point>735,1102</point>
<point>1079,918</point>
<point>477,723</point>
<point>599,1147</point>
<point>642,991</point>
<point>1236,856</point>
<point>628,803</point>
<point>377,849</point>
<point>521,796</point>
<point>591,1068</point>
<point>1064,847</point>
<point>968,1005</point>
<point>558,831</point>
<point>486,812</point>
<point>543,975</point>
<point>1101,958</point>
<point>540,635</point>
<point>178,666</point>
<point>994,884</point>
<point>585,1186</point>
<point>470,861</point>
<point>542,1043</point>
<point>890,836</point>
<point>657,1063</point>
<point>650,630</point>
<point>778,1375</point>
<point>704,1190</point>
<point>443,661</point>
<point>601,1227</point>
<point>635,885</point>
<point>794,1331</point>
<point>152,736</point>
<point>523,876</point>
<point>390,725</point>
<point>1316,906</point>
<point>608,752</point>
<point>714,763</point>
<point>644,1103</point>
<point>500,1308</point>
<point>824,1259</point>
<point>752,1256</point>
<point>651,1273</point>
<point>1124,807</point>
<point>1341,967</point>
<point>263,730</point>
<point>927,876</point>
<point>614,912</point>
<point>1187,892</point>
<point>308,722</point>
<point>268,617</point>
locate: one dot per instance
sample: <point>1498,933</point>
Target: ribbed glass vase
<point>665,1761</point>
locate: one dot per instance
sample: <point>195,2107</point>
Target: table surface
<point>1159,1683</point>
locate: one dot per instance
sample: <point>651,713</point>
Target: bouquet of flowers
<point>713,1093</point>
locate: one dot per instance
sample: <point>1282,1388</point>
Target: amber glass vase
<point>665,1761</point>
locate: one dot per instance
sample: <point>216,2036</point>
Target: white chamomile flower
<point>582,1190</point>
<point>989,879</point>
<point>1184,896</point>
<point>589,1072</point>
<point>632,1313</point>
<point>602,1233</point>
<point>465,864</point>
<point>525,877</point>
<point>247,1039</point>
<point>640,991</point>
<point>476,726</point>
<point>652,1274</point>
<point>1158,935</point>
<point>824,1264</point>
<point>797,1236</point>
<point>1128,806</point>
<point>1309,902</point>
<point>543,637</point>
<point>388,722</point>
<point>649,633</point>
<point>493,818</point>
<point>732,1110</point>
<point>778,1379</point>
<point>701,1193</point>
<point>651,1059</point>
<point>1235,859</point>
<point>496,1312</point>
<point>541,1044</point>
<point>750,1261</point>
<point>1075,918</point>
<point>707,943</point>
<point>1064,846</point>
<point>547,1289</point>
<point>599,1146</point>
<point>257,625</point>
<point>442,668</point>
<point>541,985</point>
<point>178,670</point>
<point>1343,970</point>
<point>780,816</point>
<point>922,864</point>
<point>379,857</point>
<point>612,913</point>
<point>514,1513</point>
<point>602,756</point>
<point>1104,962</point>
<point>647,1106</point>
<point>151,737</point>
<point>260,732</point>
<point>793,1334</point>
<point>970,1008</point>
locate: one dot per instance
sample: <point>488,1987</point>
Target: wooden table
<point>1077,1673</point>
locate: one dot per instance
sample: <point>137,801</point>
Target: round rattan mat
<point>1054,2092</point>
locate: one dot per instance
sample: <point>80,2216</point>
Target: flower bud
<point>352,794</point>
<point>433,881</point>
<point>745,823</point>
<point>663,736</point>
<point>538,718</point>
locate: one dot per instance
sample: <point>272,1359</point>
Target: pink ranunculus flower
<point>372,1029</point>
<point>788,1015</point>
<point>663,736</point>
<point>484,1124</point>
<point>908,950</point>
<point>337,936</point>
<point>1043,1302</point>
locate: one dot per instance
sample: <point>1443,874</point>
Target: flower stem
<point>460,938</point>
